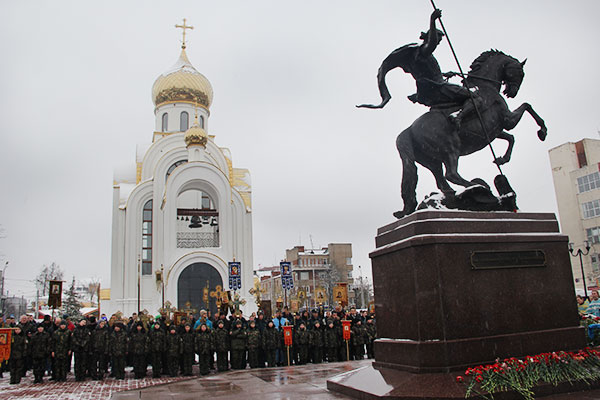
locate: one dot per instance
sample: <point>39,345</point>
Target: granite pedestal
<point>455,289</point>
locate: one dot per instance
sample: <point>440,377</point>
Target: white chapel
<point>182,211</point>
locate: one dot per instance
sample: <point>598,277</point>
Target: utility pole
<point>37,304</point>
<point>2,296</point>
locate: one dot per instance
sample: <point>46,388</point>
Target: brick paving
<point>86,390</point>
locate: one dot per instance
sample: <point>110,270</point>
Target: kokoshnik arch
<point>182,210</point>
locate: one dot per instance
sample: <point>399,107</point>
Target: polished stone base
<point>455,289</point>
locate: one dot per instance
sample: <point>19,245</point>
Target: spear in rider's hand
<point>466,83</point>
<point>500,181</point>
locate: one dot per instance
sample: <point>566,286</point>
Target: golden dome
<point>195,135</point>
<point>182,83</point>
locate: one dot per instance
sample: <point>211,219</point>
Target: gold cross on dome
<point>184,27</point>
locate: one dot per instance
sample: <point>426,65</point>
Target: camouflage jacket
<point>238,339</point>
<point>254,338</point>
<point>188,342</point>
<point>173,344</point>
<point>117,343</point>
<point>157,340</point>
<point>359,334</point>
<point>40,345</point>
<point>316,338</point>
<point>221,339</point>
<point>271,338</point>
<point>301,337</point>
<point>81,339</point>
<point>99,343</point>
<point>331,337</point>
<point>371,331</point>
<point>61,340</point>
<point>139,343</point>
<point>18,346</point>
<point>205,342</point>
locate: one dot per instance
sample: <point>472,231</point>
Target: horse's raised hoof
<point>501,160</point>
<point>542,133</point>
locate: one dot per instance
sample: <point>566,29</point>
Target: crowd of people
<point>589,306</point>
<point>106,346</point>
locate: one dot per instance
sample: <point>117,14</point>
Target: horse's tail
<point>398,58</point>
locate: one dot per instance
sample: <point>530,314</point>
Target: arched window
<point>201,121</point>
<point>147,238</point>
<point>184,121</point>
<point>172,167</point>
<point>165,122</point>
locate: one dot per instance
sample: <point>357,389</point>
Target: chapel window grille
<point>201,121</point>
<point>147,238</point>
<point>184,121</point>
<point>165,122</point>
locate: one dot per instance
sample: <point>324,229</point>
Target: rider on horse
<point>432,89</point>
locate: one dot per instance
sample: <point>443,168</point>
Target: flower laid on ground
<point>523,374</point>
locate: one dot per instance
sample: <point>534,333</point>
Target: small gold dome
<point>182,83</point>
<point>195,136</point>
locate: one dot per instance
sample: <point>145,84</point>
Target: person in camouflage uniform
<point>359,334</point>
<point>99,350</point>
<point>316,342</point>
<point>238,345</point>
<point>271,340</point>
<point>61,351</point>
<point>371,336</point>
<point>157,349</point>
<point>117,345</point>
<point>173,350</point>
<point>18,351</point>
<point>221,346</point>
<point>204,348</point>
<point>188,348</point>
<point>331,341</point>
<point>254,344</point>
<point>40,347</point>
<point>139,346</point>
<point>80,345</point>
<point>301,340</point>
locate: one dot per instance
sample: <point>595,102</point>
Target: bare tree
<point>48,273</point>
<point>93,288</point>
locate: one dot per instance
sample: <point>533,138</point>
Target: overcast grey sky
<point>75,85</point>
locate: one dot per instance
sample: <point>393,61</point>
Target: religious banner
<point>287,281</point>
<point>266,307</point>
<point>294,305</point>
<point>346,329</point>
<point>320,295</point>
<point>5,340</point>
<point>340,294</point>
<point>177,317</point>
<point>287,335</point>
<point>55,294</point>
<point>235,277</point>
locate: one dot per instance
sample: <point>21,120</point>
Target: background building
<point>315,271</point>
<point>576,175</point>
<point>181,212</point>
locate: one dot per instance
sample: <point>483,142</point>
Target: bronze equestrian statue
<point>438,138</point>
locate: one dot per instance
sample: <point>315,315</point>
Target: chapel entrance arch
<point>195,285</point>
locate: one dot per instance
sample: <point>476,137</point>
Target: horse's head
<point>513,76</point>
<point>495,68</point>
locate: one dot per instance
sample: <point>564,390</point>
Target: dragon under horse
<point>437,139</point>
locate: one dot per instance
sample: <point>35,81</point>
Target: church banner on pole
<point>235,277</point>
<point>55,294</point>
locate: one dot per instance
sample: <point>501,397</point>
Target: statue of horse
<point>434,140</point>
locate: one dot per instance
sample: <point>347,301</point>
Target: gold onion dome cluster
<point>195,135</point>
<point>182,83</point>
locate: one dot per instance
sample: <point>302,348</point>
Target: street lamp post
<point>2,297</point>
<point>580,253</point>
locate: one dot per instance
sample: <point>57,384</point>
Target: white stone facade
<point>177,178</point>
<point>571,164</point>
